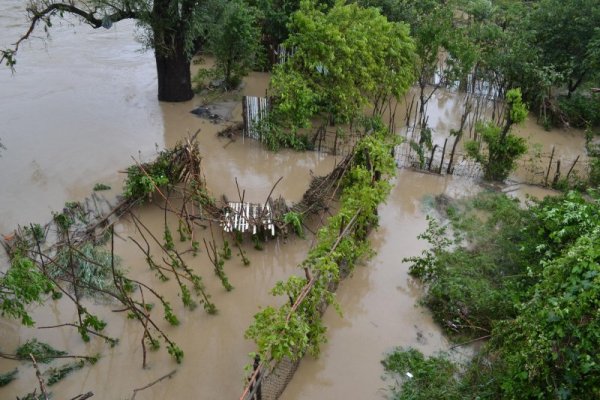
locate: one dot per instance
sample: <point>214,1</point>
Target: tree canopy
<point>342,60</point>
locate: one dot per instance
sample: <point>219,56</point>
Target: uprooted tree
<point>172,28</point>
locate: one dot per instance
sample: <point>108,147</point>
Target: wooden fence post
<point>431,158</point>
<point>557,174</point>
<point>443,154</point>
<point>549,166</point>
<point>572,166</point>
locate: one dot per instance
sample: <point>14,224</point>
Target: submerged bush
<point>529,278</point>
<point>43,352</point>
<point>142,180</point>
<point>421,378</point>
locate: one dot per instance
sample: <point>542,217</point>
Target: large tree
<point>172,26</point>
<point>567,35</point>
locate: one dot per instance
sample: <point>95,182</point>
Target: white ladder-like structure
<point>243,217</point>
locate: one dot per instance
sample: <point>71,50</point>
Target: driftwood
<point>38,375</point>
<point>83,396</point>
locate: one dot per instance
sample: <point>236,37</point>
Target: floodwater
<point>76,111</point>
<point>379,301</point>
<point>78,108</point>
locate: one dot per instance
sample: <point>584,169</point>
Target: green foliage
<point>581,110</point>
<point>272,332</point>
<point>63,221</point>
<point>515,108</point>
<point>220,272</point>
<point>425,142</point>
<point>35,232</point>
<point>502,149</point>
<point>499,157</point>
<point>430,378</point>
<point>43,353</point>
<point>226,251</point>
<point>55,375</point>
<point>427,267</point>
<point>274,16</point>
<point>344,58</point>
<point>594,173</point>
<point>234,40</point>
<point>183,231</point>
<point>274,136</point>
<point>8,377</point>
<point>295,220</point>
<point>467,284</point>
<point>175,352</point>
<point>143,180</point>
<point>535,275</point>
<point>186,297</point>
<point>21,285</point>
<point>92,265</point>
<point>168,238</point>
<point>101,186</point>
<point>556,332</point>
<point>568,48</point>
<point>91,323</point>
<point>258,245</point>
<point>170,317</point>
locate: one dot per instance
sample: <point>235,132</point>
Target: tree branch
<point>36,15</point>
<point>39,377</point>
<point>167,376</point>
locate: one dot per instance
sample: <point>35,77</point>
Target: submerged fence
<point>548,169</point>
<point>254,109</point>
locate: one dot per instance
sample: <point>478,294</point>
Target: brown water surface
<point>75,112</point>
<point>379,301</point>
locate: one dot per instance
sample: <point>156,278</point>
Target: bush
<point>543,345</point>
<point>142,180</point>
<point>581,110</point>
<point>422,378</point>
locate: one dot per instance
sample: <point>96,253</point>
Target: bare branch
<point>83,396</point>
<point>167,376</point>
<point>39,377</point>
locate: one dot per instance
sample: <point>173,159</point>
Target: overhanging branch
<point>36,15</point>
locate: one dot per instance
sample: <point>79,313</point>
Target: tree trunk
<point>172,62</point>
<point>174,76</point>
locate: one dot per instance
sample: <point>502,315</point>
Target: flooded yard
<point>80,106</point>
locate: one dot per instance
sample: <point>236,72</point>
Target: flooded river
<point>78,108</point>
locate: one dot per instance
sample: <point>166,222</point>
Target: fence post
<point>258,395</point>
<point>431,159</point>
<point>549,166</point>
<point>557,174</point>
<point>443,154</point>
<point>245,117</point>
<point>572,166</point>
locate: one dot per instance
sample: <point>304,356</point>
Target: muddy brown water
<point>79,106</point>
